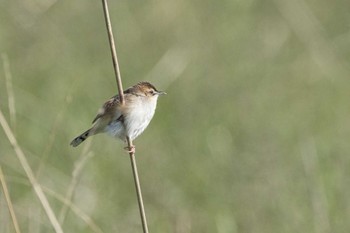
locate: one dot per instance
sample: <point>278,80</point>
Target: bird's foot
<point>130,149</point>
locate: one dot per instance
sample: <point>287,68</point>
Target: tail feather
<point>76,141</point>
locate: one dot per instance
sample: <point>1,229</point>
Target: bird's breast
<point>138,117</point>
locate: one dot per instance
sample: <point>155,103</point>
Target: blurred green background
<point>253,135</point>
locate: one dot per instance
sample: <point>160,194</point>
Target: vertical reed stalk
<point>121,96</point>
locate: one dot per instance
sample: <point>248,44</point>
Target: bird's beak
<point>161,93</point>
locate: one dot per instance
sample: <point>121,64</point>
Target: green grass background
<point>253,135</point>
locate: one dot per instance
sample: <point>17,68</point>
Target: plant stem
<point>113,51</point>
<point>121,96</point>
<point>138,187</point>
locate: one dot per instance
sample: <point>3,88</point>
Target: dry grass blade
<point>309,30</point>
<point>29,172</point>
<point>317,191</point>
<point>9,89</point>
<point>8,201</point>
<point>75,209</point>
<point>52,137</point>
<point>93,226</point>
<point>170,66</point>
<point>78,167</point>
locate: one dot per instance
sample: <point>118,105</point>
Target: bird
<point>126,120</point>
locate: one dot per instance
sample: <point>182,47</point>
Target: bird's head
<point>145,89</point>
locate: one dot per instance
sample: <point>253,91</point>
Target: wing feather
<point>109,108</point>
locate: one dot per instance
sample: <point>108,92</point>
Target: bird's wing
<point>109,109</point>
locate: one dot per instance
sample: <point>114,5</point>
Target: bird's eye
<point>151,92</point>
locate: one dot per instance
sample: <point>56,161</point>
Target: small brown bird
<point>127,120</point>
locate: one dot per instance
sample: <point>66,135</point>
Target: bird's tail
<point>76,141</point>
